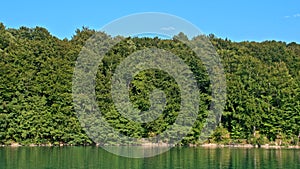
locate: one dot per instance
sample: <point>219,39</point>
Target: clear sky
<point>237,20</point>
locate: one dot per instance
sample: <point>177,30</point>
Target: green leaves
<point>36,69</point>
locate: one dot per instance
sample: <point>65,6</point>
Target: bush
<point>221,135</point>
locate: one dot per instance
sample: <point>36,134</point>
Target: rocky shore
<point>210,145</point>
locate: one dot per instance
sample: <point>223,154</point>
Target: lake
<point>177,158</point>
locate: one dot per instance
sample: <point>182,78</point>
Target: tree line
<point>36,104</point>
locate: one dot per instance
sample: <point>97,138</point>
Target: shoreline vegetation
<point>149,145</point>
<point>37,106</point>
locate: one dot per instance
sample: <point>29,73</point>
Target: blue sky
<point>237,20</point>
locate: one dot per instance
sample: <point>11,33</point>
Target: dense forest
<point>36,104</point>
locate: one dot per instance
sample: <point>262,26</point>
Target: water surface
<point>176,158</point>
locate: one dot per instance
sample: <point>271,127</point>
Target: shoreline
<point>209,145</point>
<point>265,146</point>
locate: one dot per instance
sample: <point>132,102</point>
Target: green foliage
<point>258,140</point>
<point>221,135</point>
<point>36,69</point>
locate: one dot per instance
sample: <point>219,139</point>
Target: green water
<point>176,158</point>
